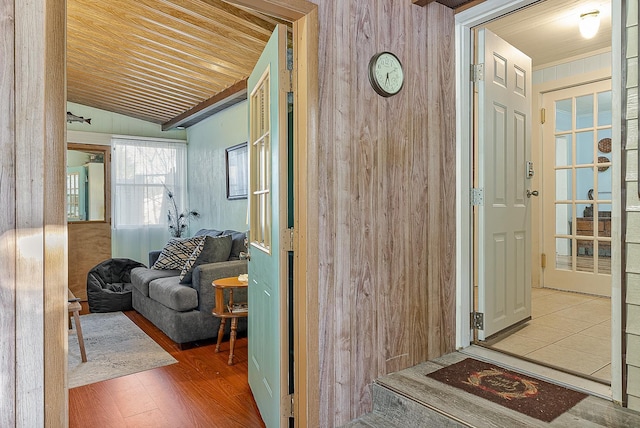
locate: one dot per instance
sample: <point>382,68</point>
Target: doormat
<point>532,397</point>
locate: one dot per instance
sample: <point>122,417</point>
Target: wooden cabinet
<point>584,227</point>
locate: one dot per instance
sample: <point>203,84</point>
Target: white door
<point>576,197</point>
<point>268,175</point>
<point>503,151</point>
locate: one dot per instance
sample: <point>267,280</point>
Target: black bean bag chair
<point>109,285</point>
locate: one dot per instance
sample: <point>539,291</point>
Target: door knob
<point>530,193</point>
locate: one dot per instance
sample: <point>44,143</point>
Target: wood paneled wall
<point>386,197</point>
<point>32,218</point>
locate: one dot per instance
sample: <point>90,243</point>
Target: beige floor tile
<point>539,292</point>
<point>601,330</point>
<point>562,323</point>
<point>569,299</point>
<point>545,306</point>
<point>585,312</point>
<point>542,333</point>
<point>569,359</point>
<point>604,373</point>
<point>519,345</point>
<point>597,346</point>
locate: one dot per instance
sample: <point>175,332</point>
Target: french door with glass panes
<point>577,188</point>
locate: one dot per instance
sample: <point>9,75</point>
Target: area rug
<point>115,347</point>
<point>533,397</point>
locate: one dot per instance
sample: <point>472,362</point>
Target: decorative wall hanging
<point>604,145</point>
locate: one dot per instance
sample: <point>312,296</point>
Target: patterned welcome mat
<point>533,397</point>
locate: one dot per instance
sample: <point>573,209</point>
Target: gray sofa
<point>183,311</point>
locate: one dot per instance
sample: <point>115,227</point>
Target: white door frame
<point>466,20</point>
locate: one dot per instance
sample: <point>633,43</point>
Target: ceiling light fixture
<point>589,24</point>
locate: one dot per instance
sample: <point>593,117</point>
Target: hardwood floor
<point>201,390</point>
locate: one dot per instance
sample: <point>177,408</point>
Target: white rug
<point>115,347</point>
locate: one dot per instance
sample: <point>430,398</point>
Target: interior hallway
<point>570,331</point>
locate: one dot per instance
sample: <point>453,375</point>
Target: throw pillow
<point>176,252</point>
<point>212,249</point>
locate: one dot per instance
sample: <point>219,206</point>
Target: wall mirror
<point>86,183</point>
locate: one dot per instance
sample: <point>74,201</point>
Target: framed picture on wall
<point>237,160</point>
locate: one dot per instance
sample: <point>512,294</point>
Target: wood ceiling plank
<point>155,59</point>
<point>141,32</point>
<point>291,10</point>
<point>188,81</point>
<point>130,87</point>
<point>193,25</point>
<point>217,12</point>
<point>100,99</point>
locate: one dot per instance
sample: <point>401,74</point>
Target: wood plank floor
<point>201,390</point>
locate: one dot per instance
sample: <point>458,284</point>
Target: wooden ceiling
<point>157,59</point>
<point>171,62</point>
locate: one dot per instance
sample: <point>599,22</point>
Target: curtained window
<point>141,169</point>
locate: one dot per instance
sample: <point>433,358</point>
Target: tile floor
<point>567,330</point>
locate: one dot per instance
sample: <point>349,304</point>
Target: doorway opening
<point>561,316</point>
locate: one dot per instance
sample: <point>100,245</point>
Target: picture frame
<point>237,167</point>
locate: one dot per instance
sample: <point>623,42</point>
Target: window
<point>142,169</point>
<point>260,153</point>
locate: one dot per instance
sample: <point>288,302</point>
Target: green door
<point>268,359</point>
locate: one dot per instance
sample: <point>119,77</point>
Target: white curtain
<point>143,170</point>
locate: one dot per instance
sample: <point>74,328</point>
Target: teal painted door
<point>268,357</point>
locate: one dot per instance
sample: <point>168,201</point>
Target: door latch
<point>530,193</point>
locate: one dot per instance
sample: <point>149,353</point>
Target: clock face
<point>386,74</point>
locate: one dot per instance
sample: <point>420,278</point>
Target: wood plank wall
<point>386,197</point>
<point>632,206</point>
<point>32,217</point>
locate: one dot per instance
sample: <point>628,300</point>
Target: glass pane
<point>584,226</point>
<point>563,150</point>
<point>564,115</point>
<point>604,257</point>
<point>563,254</point>
<point>584,111</point>
<point>584,183</point>
<point>564,185</point>
<point>604,108</point>
<point>584,210</point>
<point>604,225</point>
<point>564,216</point>
<point>584,260</point>
<point>604,183</point>
<point>584,147</point>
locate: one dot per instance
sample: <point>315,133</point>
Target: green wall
<point>106,122</point>
<point>206,169</point>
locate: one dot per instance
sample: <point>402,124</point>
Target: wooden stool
<point>74,308</point>
<point>223,312</point>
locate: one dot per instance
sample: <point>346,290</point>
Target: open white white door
<point>503,152</point>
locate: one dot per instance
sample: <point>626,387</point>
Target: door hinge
<point>288,408</point>
<point>286,240</point>
<point>543,260</point>
<point>477,72</point>
<point>543,115</point>
<point>477,320</point>
<point>477,196</point>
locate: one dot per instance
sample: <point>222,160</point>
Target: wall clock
<point>386,74</point>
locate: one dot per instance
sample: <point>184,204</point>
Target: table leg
<point>220,333</point>
<point>232,341</point>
